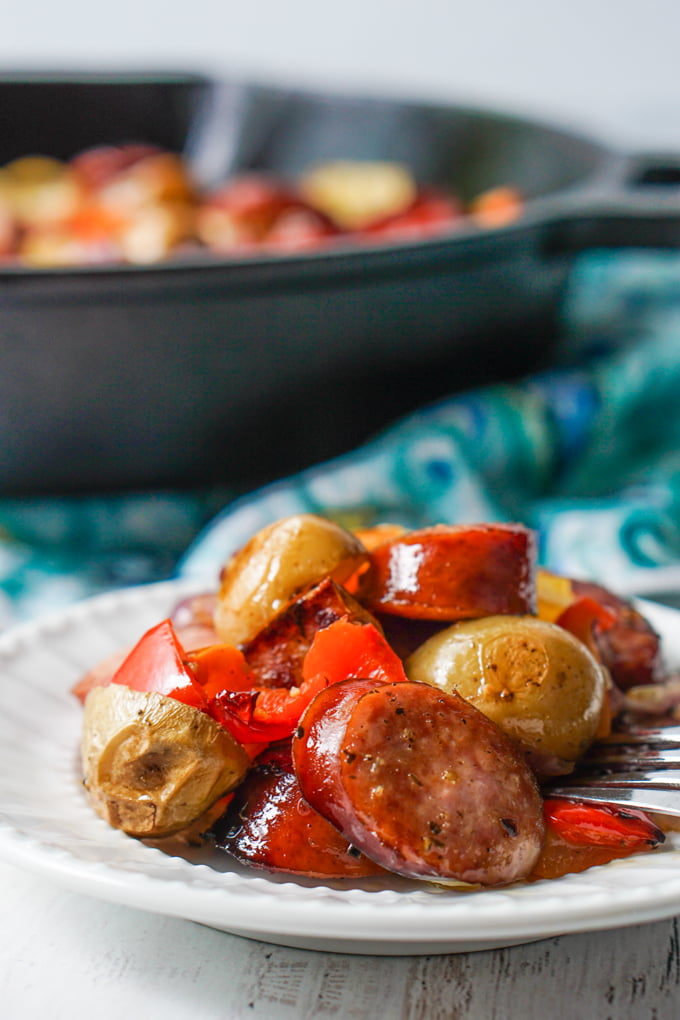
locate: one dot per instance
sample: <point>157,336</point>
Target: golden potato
<point>279,561</point>
<point>534,679</point>
<point>152,765</point>
<point>354,194</point>
<point>39,190</point>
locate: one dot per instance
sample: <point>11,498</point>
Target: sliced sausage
<point>420,781</point>
<point>269,825</point>
<point>630,648</point>
<point>277,652</point>
<point>453,572</point>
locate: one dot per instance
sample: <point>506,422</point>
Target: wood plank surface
<point>66,956</point>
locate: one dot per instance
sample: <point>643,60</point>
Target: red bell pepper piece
<point>225,681</point>
<point>235,710</point>
<point>346,650</point>
<point>341,650</point>
<point>585,618</point>
<point>602,825</point>
<point>253,714</point>
<point>157,663</point>
<point>217,668</point>
<point>218,680</point>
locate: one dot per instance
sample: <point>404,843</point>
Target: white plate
<point>47,826</point>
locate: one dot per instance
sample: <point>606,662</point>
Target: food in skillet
<point>386,701</point>
<point>139,204</point>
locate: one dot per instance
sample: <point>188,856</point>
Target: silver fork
<point>637,768</point>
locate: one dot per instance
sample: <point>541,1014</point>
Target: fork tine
<point>635,768</point>
<point>667,736</point>
<point>651,790</point>
<point>664,802</point>
<point>623,754</point>
<point>658,779</point>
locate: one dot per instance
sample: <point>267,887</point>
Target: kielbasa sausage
<point>630,648</point>
<point>269,825</point>
<point>420,781</point>
<point>453,572</point>
<point>276,653</point>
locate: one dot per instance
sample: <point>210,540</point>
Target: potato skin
<point>534,679</point>
<point>275,565</point>
<point>151,764</point>
<point>356,194</point>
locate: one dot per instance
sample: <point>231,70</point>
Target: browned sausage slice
<point>420,781</point>
<point>630,648</point>
<point>277,652</point>
<point>453,572</point>
<point>269,825</point>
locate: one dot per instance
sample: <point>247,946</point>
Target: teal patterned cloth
<point>588,454</point>
<point>54,551</point>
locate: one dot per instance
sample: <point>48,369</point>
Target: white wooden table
<point>66,956</point>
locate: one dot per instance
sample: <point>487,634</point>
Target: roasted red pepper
<point>257,714</point>
<point>343,649</point>
<point>261,715</point>
<point>585,618</point>
<point>158,663</point>
<point>219,681</point>
<point>216,680</point>
<point>346,650</point>
<point>253,714</point>
<point>602,825</point>
<point>220,667</point>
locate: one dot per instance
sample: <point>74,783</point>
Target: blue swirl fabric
<point>588,454</point>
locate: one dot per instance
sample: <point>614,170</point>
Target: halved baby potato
<point>535,680</point>
<point>153,765</point>
<point>278,562</point>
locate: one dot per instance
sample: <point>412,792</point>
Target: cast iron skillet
<point>240,371</point>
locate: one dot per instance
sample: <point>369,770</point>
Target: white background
<point>609,67</point>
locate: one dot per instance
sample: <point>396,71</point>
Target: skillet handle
<point>634,203</point>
